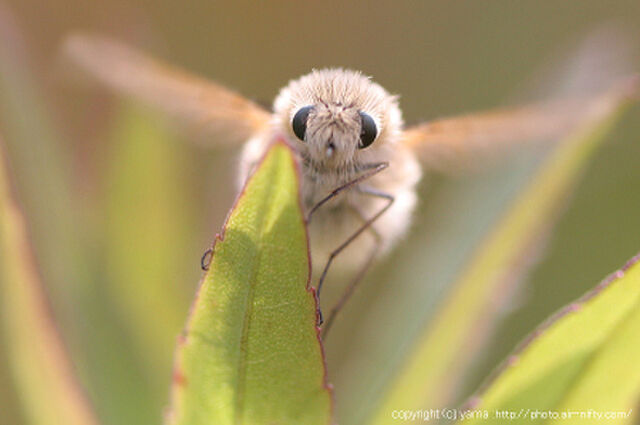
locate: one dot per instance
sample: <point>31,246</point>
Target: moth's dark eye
<point>299,122</point>
<point>368,130</point>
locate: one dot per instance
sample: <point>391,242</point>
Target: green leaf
<point>251,353</point>
<point>584,359</point>
<point>58,218</point>
<point>440,357</point>
<point>44,166</point>
<point>42,372</point>
<point>146,226</point>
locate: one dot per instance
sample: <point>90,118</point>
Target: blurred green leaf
<point>43,181</point>
<point>441,354</point>
<point>584,359</point>
<point>146,213</point>
<point>251,353</point>
<point>44,171</point>
<point>390,315</point>
<point>42,373</point>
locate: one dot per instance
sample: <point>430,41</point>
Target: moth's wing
<point>459,142</point>
<point>205,104</point>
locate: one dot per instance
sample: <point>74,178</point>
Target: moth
<point>360,164</point>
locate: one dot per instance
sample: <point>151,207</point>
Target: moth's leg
<point>371,171</point>
<point>357,278</point>
<point>366,225</point>
<point>205,260</point>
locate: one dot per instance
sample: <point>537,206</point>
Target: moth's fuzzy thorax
<point>332,139</point>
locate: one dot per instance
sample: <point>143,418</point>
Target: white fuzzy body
<point>338,96</point>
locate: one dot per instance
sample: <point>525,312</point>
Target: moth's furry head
<point>333,127</point>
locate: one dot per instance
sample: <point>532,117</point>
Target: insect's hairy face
<point>335,118</point>
<point>331,133</point>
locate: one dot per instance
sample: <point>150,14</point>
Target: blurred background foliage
<point>120,207</point>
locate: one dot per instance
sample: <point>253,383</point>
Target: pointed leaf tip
<point>251,352</point>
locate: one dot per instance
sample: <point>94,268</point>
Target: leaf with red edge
<point>251,352</point>
<point>42,373</point>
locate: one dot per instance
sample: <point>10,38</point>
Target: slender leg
<point>350,289</point>
<point>366,225</point>
<point>372,171</point>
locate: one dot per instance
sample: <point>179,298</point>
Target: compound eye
<point>368,130</point>
<point>299,122</point>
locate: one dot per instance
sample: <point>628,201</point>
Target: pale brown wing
<point>211,107</point>
<point>457,142</point>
